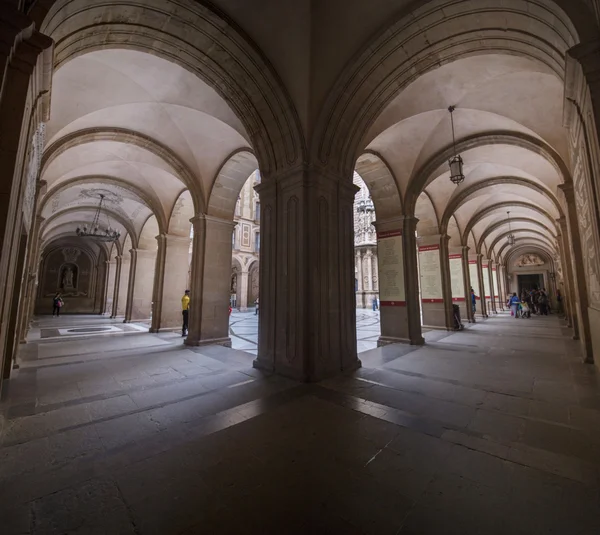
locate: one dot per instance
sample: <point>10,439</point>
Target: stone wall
<point>71,271</point>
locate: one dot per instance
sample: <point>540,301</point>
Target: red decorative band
<point>429,248</point>
<point>484,266</point>
<point>392,303</point>
<point>454,256</point>
<point>389,234</point>
<point>458,299</point>
<point>432,300</point>
<point>472,261</point>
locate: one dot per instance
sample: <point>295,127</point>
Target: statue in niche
<point>68,277</point>
<point>234,282</point>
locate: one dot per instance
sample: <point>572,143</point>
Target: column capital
<point>166,238</point>
<point>204,219</point>
<point>586,54</point>
<point>145,253</point>
<point>568,190</point>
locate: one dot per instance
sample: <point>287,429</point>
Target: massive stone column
<point>495,286</point>
<point>25,58</point>
<point>400,310</point>
<point>436,294</point>
<point>141,283</point>
<point>567,281</point>
<point>458,286</point>
<point>307,327</point>
<point>211,277</point>
<point>476,283</point>
<point>123,293</point>
<point>111,270</point>
<point>466,269</point>
<point>170,281</point>
<point>487,285</point>
<point>580,283</point>
<point>483,286</point>
<point>360,303</point>
<point>117,288</point>
<point>243,290</point>
<point>33,269</point>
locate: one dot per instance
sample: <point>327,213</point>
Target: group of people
<point>535,301</point>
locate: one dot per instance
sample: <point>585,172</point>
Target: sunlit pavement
<point>243,330</point>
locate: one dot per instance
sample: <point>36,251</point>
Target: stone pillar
<point>111,268</point>
<point>458,287</point>
<point>400,320</point>
<point>359,282</point>
<point>141,283</point>
<point>487,285</point>
<point>476,283</point>
<point>123,295</point>
<point>170,281</point>
<point>567,281</point>
<point>368,257</point>
<point>211,278</point>
<point>580,283</point>
<point>34,267</point>
<point>495,286</point>
<point>307,327</point>
<point>467,282</point>
<point>483,288</point>
<point>436,294</point>
<point>243,291</point>
<point>117,288</point>
<point>25,60</point>
<point>501,286</point>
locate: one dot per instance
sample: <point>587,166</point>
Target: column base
<point>226,341</point>
<point>299,374</point>
<point>166,330</point>
<point>389,340</point>
<point>438,328</point>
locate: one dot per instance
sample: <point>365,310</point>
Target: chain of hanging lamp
<point>456,162</point>
<point>510,238</point>
<point>94,231</point>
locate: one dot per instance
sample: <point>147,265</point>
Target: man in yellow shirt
<point>185,312</point>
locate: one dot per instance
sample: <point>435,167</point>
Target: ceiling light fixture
<point>510,237</point>
<point>108,235</point>
<point>456,162</point>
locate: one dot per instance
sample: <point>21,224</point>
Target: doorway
<point>530,281</point>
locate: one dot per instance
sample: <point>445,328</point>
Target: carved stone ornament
<point>529,259</point>
<point>71,254</point>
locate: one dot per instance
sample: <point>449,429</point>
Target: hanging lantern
<point>456,162</point>
<point>510,238</point>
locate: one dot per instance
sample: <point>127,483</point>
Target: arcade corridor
<point>491,430</point>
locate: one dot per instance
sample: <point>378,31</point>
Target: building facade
<point>245,244</point>
<point>365,248</point>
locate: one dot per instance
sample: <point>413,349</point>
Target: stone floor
<point>243,330</point>
<point>493,430</point>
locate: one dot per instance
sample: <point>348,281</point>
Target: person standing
<point>57,304</point>
<point>473,301</point>
<point>185,312</point>
<point>514,305</point>
<point>256,307</point>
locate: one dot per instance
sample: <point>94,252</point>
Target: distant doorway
<point>530,281</point>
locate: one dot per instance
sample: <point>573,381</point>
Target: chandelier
<point>510,238</point>
<point>456,162</point>
<point>94,231</point>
